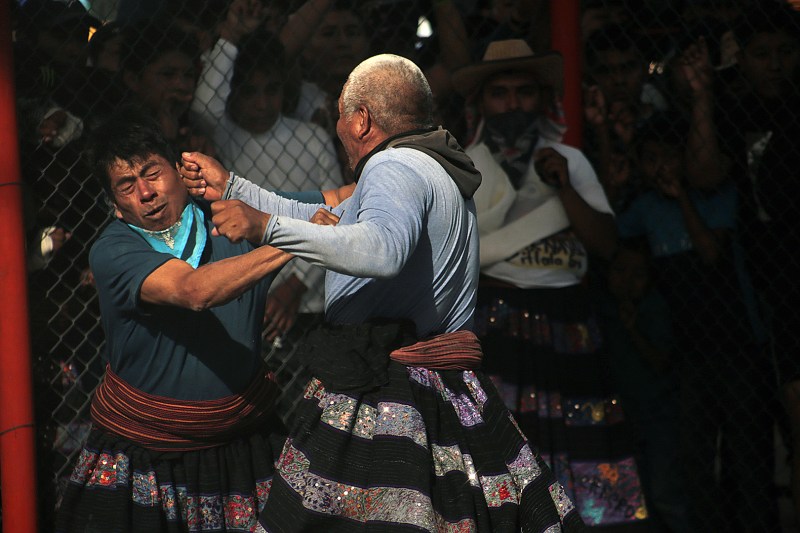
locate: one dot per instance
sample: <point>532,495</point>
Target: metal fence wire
<point>690,124</point>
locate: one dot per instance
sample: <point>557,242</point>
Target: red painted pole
<point>17,445</point>
<point>565,31</point>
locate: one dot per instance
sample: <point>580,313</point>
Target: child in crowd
<point>725,376</point>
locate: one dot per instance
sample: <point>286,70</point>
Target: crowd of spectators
<point>691,117</point>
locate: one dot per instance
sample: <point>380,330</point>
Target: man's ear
<point>364,122</point>
<point>117,212</point>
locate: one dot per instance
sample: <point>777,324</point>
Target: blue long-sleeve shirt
<point>406,245</point>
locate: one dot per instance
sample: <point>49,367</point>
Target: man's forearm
<point>594,229</point>
<point>176,283</point>
<point>239,188</point>
<point>366,249</point>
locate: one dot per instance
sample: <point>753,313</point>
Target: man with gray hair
<point>398,430</point>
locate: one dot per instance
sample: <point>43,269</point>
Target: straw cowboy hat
<point>511,55</point>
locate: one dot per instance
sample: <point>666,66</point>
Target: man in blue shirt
<point>398,429</point>
<point>183,422</point>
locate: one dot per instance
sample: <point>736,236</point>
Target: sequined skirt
<point>543,350</point>
<point>117,486</point>
<point>430,451</point>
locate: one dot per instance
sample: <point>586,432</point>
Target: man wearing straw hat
<point>541,214</point>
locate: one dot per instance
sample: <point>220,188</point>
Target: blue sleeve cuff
<point>306,197</point>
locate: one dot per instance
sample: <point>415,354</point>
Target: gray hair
<point>395,92</point>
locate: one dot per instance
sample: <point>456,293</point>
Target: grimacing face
<point>148,192</point>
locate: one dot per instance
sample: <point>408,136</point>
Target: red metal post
<point>565,31</point>
<point>17,444</point>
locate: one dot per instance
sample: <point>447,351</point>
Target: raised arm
<point>214,86</point>
<point>301,25</point>
<point>594,229</point>
<point>379,231</point>
<point>204,176</point>
<point>706,164</point>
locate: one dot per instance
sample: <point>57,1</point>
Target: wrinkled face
<point>619,74</point>
<point>339,44</point>
<point>628,276</point>
<point>257,103</point>
<point>660,161</point>
<point>147,192</point>
<point>510,92</point>
<point>347,133</point>
<point>769,62</point>
<point>167,84</point>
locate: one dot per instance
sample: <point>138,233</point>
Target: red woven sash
<point>167,424</point>
<point>460,350</point>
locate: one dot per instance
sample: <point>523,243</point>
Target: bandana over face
<point>511,137</point>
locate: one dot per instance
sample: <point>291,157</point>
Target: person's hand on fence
<point>59,127</point>
<point>619,170</point>
<point>242,18</point>
<point>87,278</point>
<point>594,108</point>
<point>695,65</point>
<point>203,175</point>
<point>622,118</point>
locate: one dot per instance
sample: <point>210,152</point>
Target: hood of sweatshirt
<point>439,144</point>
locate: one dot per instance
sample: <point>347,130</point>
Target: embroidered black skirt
<point>428,451</point>
<point>118,487</point>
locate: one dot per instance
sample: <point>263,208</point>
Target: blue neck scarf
<point>186,239</point>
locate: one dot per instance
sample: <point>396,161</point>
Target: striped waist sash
<point>459,350</point>
<point>167,424</point>
<point>355,357</point>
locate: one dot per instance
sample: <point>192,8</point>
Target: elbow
<point>385,271</point>
<point>194,299</point>
<point>200,305</point>
<point>390,267</point>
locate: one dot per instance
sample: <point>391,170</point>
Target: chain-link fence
<point>690,121</point>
